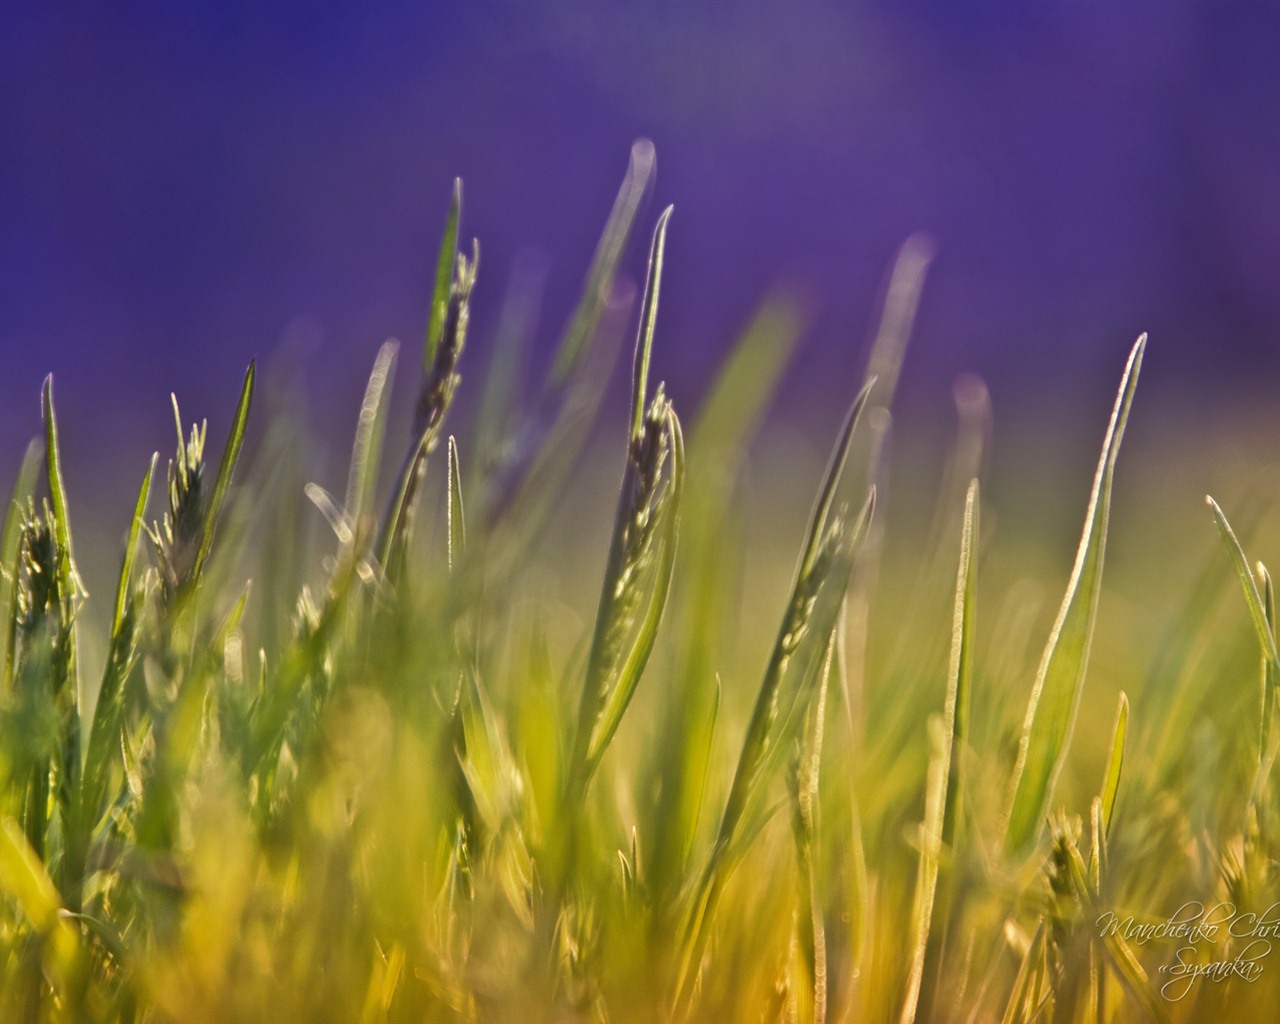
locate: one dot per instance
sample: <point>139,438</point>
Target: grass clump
<point>420,792</point>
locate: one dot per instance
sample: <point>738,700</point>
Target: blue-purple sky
<point>182,185</point>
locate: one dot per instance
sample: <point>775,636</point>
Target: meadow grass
<point>404,777</point>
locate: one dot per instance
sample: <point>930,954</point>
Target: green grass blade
<point>794,665</point>
<point>633,667</point>
<point>131,549</point>
<point>71,582</point>
<point>1115,764</point>
<point>831,481</point>
<point>444,279</point>
<point>222,484</point>
<point>960,674</point>
<point>936,792</point>
<point>1247,580</point>
<point>10,539</point>
<point>942,800</point>
<point>648,319</point>
<point>104,735</point>
<point>371,431</point>
<point>598,691</point>
<point>1055,696</point>
<point>392,539</point>
<point>604,265</point>
<point>765,714</point>
<point>457,524</point>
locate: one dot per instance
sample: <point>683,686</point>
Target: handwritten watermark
<point>1216,942</point>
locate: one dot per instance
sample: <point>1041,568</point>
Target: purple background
<point>183,186</point>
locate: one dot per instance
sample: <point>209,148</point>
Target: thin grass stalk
<point>1055,696</point>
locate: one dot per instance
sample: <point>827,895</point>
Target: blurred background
<point>184,186</point>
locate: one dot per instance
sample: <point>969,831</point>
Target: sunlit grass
<point>438,783</point>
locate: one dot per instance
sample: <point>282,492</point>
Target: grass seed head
<point>442,382</point>
<point>177,541</point>
<point>38,590</point>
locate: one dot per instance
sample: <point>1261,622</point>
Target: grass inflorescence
<point>419,782</point>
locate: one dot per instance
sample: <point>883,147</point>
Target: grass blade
<point>637,502</point>
<point>222,484</point>
<point>457,525</point>
<point>821,581</point>
<point>604,265</point>
<point>71,582</point>
<point>445,265</point>
<point>104,730</point>
<point>131,549</point>
<point>632,668</point>
<point>942,800</point>
<point>371,430</point>
<point>1055,696</point>
<point>1248,581</point>
<point>1115,764</point>
<point>10,540</point>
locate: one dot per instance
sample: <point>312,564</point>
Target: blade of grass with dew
<point>1055,696</point>
<point>226,468</point>
<point>371,430</point>
<point>941,823</point>
<point>10,540</point>
<point>604,698</point>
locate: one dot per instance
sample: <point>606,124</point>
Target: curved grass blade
<point>222,484</point>
<point>371,430</point>
<point>71,582</point>
<point>445,265</point>
<point>1247,580</point>
<point>637,500</point>
<point>960,676</point>
<point>1055,696</point>
<point>648,320</point>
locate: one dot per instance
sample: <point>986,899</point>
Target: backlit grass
<point>407,775</point>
